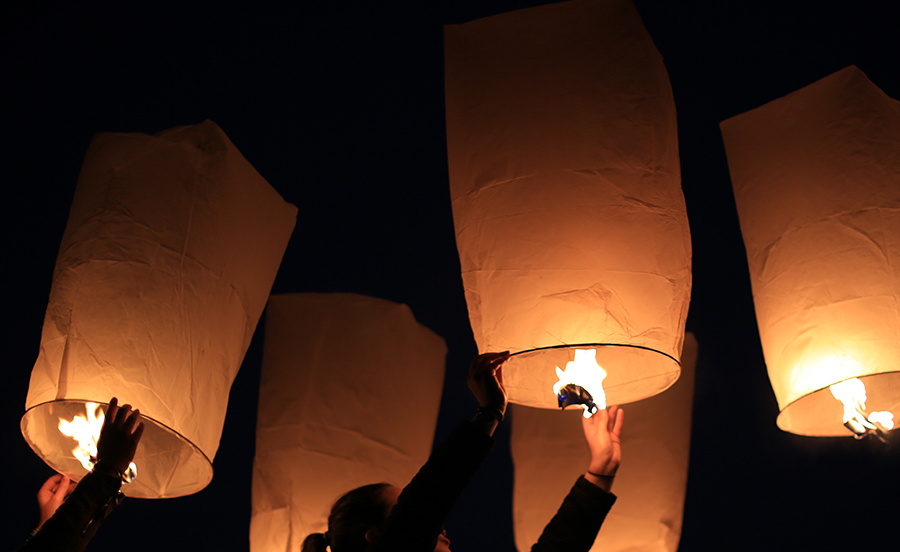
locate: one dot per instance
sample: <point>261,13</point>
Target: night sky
<point>340,107</point>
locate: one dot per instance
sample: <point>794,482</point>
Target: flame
<point>886,419</point>
<point>852,393</point>
<point>584,371</point>
<point>86,432</point>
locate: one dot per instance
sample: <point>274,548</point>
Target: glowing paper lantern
<point>549,453</point>
<point>349,395</point>
<point>816,178</point>
<point>564,176</point>
<point>170,251</point>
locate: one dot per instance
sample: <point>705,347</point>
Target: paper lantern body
<point>816,178</point>
<point>170,251</point>
<point>549,453</point>
<point>349,395</point>
<point>564,176</point>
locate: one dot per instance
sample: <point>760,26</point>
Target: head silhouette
<point>353,514</point>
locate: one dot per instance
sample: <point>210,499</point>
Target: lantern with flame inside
<point>564,175</point>
<point>815,178</point>
<point>349,395</point>
<point>171,247</point>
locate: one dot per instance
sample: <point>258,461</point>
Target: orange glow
<point>584,371</point>
<point>86,432</point>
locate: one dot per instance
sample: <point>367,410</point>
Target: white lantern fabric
<point>565,181</point>
<point>816,178</point>
<point>170,251</point>
<point>349,395</point>
<point>549,453</point>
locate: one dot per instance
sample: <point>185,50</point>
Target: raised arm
<point>417,518</point>
<point>575,526</point>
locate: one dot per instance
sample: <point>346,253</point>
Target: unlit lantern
<point>170,251</point>
<point>816,178</point>
<point>564,176</point>
<point>349,396</point>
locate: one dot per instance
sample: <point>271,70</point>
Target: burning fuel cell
<point>581,383</point>
<point>852,394</point>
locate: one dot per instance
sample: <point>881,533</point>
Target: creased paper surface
<point>170,250</point>
<point>565,181</point>
<point>816,178</point>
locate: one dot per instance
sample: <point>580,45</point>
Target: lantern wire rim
<point>144,416</point>
<point>594,345</point>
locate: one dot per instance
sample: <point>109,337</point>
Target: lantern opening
<point>85,430</point>
<point>529,376</point>
<point>581,383</point>
<point>171,465</point>
<point>852,394</point>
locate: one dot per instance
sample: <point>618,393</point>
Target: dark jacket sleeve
<point>77,519</point>
<point>575,526</point>
<point>418,518</point>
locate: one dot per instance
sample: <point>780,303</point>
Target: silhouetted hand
<point>51,494</point>
<point>486,380</point>
<point>120,436</point>
<point>603,431</point>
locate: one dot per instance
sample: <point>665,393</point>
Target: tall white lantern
<point>170,251</point>
<point>564,177</point>
<point>816,178</point>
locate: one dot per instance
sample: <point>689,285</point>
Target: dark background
<point>340,107</point>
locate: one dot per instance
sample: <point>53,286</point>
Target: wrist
<point>108,468</point>
<point>490,412</point>
<point>487,419</point>
<point>606,468</point>
<point>604,482</point>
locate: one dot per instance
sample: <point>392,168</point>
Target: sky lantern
<point>816,178</point>
<point>549,453</point>
<point>565,182</point>
<point>166,263</point>
<point>349,395</point>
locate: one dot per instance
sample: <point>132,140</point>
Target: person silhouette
<point>383,518</point>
